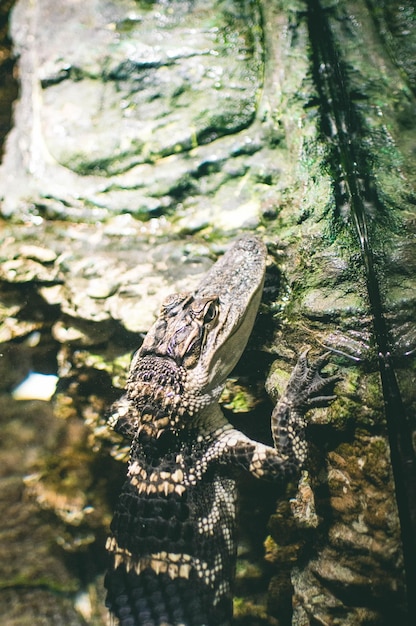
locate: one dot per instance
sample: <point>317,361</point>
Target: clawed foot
<point>307,389</point>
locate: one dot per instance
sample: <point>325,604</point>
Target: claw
<point>302,364</point>
<point>306,384</point>
<point>320,362</point>
<point>316,366</point>
<point>300,371</point>
<point>320,401</point>
<point>331,380</point>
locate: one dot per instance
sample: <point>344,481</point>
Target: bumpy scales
<point>173,541</point>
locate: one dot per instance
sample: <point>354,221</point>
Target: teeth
<point>184,570</point>
<point>166,488</point>
<point>160,567</point>
<point>176,565</point>
<point>177,476</point>
<point>173,570</point>
<point>110,544</point>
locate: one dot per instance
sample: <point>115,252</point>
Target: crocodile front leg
<point>306,389</point>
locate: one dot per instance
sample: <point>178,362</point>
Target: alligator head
<point>199,337</point>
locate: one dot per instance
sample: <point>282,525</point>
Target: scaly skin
<point>172,540</point>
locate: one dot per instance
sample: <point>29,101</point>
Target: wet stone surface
<point>124,118</point>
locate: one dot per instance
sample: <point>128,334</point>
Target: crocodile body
<point>172,541</point>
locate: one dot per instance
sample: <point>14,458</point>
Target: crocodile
<point>173,536</point>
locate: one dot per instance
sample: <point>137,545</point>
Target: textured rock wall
<point>145,136</point>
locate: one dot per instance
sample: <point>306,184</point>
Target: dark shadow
<point>8,82</point>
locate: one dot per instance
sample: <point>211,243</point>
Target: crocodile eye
<point>211,312</point>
